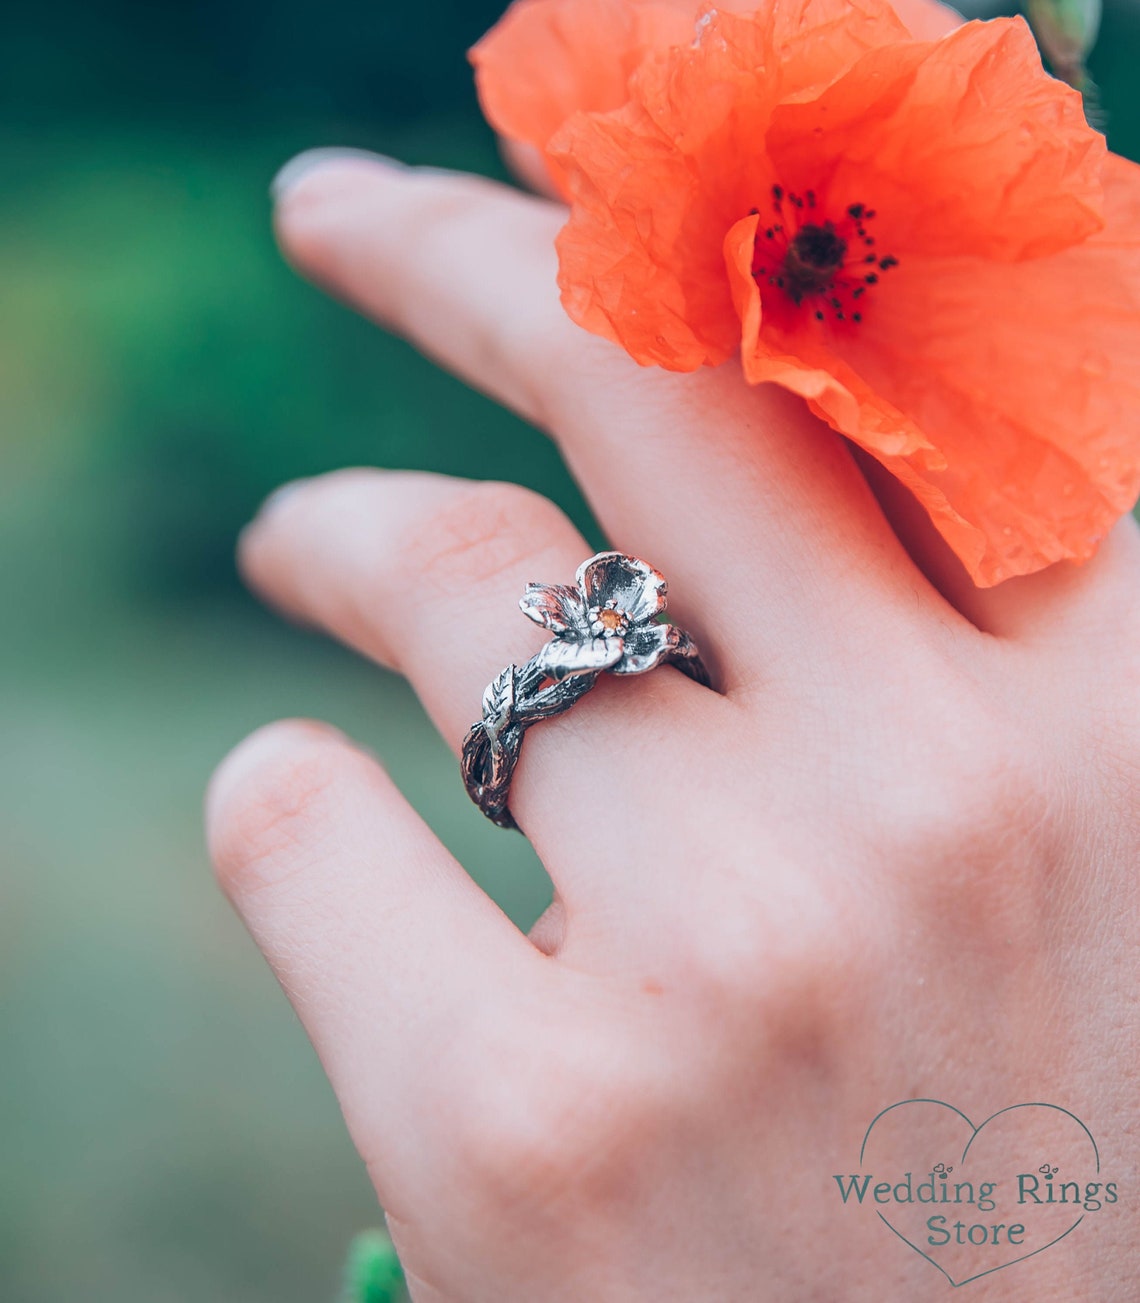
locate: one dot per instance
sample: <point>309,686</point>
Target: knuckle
<point>974,835</point>
<point>534,346</point>
<point>450,216</point>
<point>725,958</point>
<point>276,790</point>
<point>1107,739</point>
<point>443,206</point>
<point>477,534</point>
<point>769,974</point>
<point>975,818</point>
<point>544,1141</point>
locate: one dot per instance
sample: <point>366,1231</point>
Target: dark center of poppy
<point>814,255</point>
<point>829,261</point>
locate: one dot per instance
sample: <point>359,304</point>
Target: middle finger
<point>726,487</point>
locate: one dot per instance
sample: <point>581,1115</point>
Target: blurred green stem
<point>1066,31</point>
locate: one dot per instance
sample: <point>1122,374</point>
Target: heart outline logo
<point>975,1131</point>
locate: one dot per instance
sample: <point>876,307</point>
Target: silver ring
<point>606,621</point>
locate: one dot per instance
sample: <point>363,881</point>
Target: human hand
<point>893,856</point>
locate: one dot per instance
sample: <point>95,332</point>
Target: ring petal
<point>661,644</point>
<point>557,607</point>
<point>645,648</point>
<point>634,587</point>
<point>565,656</point>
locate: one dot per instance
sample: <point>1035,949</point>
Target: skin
<point>893,855</point>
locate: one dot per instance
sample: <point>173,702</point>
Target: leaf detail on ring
<point>499,704</point>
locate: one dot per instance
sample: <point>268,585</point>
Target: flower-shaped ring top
<point>606,620</point>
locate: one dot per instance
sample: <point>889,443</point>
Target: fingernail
<point>302,164</point>
<point>268,508</point>
<point>252,752</point>
<point>278,496</point>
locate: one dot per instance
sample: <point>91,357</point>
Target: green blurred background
<point>165,1131</point>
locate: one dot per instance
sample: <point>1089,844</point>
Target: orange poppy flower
<point>923,238</point>
<point>547,59</point>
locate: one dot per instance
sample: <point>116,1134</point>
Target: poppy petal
<point>833,390</point>
<point>617,271</point>
<point>657,184</point>
<point>1017,176</point>
<point>922,238</point>
<point>548,59</point>
<point>926,20</point>
<point>1026,377</point>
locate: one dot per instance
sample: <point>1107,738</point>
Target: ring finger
<point>423,573</point>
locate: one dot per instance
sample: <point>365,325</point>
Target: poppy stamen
<point>813,258</point>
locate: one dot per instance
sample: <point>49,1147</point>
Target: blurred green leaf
<point>373,1273</point>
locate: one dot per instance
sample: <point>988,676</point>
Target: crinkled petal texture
<point>1026,376</point>
<point>633,587</point>
<point>548,59</point>
<point>992,361</point>
<point>658,183</point>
